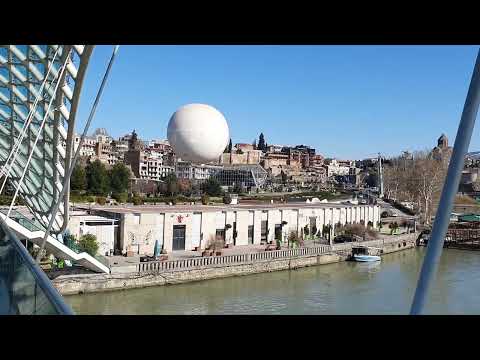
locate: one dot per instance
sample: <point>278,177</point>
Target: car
<point>343,239</point>
<point>384,214</point>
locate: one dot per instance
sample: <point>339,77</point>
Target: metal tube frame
<point>77,153</point>
<point>450,188</point>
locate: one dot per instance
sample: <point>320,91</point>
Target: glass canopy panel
<point>23,70</point>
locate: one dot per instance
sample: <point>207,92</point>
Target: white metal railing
<point>211,261</point>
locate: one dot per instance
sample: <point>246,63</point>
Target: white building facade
<point>188,228</point>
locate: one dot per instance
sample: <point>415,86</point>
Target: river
<point>385,287</point>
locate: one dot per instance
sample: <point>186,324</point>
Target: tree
<point>393,227</point>
<point>88,243</point>
<point>98,182</point>
<point>120,197</point>
<point>230,146</point>
<point>284,177</point>
<point>254,144</point>
<point>205,199</point>
<point>238,189</point>
<point>430,176</point>
<point>418,182</point>
<point>212,187</point>
<point>119,178</point>
<point>78,180</point>
<point>306,230</point>
<point>261,142</point>
<point>227,199</point>
<point>292,238</point>
<point>184,186</point>
<point>171,185</point>
<point>137,200</point>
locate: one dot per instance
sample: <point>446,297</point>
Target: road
<point>384,206</point>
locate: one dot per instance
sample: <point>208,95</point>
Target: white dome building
<point>198,133</point>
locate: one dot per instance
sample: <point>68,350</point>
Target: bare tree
<point>420,182</point>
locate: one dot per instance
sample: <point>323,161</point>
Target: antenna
<point>380,176</point>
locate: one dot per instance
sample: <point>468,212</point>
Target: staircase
<point>25,228</point>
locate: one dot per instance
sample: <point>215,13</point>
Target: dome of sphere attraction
<point>198,133</point>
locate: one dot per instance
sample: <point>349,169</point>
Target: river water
<point>386,287</point>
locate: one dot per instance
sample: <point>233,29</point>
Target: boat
<point>366,258</point>
<point>364,254</point>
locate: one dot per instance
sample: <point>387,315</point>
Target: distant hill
<point>473,155</point>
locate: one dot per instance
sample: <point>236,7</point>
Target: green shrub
<point>292,238</point>
<point>137,200</point>
<point>121,197</point>
<point>88,243</point>
<point>227,199</point>
<point>306,230</point>
<point>205,199</point>
<point>101,200</point>
<point>212,187</point>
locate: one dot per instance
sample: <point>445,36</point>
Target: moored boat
<point>363,254</point>
<point>366,258</point>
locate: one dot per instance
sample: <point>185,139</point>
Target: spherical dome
<point>198,133</point>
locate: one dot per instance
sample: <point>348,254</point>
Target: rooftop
<point>126,209</point>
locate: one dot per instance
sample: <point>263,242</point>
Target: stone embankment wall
<point>99,282</point>
<point>68,285</point>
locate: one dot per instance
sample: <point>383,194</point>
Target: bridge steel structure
<point>40,85</point>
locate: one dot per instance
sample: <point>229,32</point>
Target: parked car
<point>384,214</point>
<point>343,239</point>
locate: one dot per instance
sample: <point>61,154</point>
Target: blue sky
<point>346,101</point>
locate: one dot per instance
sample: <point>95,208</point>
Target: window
<point>278,232</point>
<point>264,232</point>
<point>250,234</point>
<point>220,234</point>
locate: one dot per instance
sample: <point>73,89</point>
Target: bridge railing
<point>24,287</point>
<point>155,266</point>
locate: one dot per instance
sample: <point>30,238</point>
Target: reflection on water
<point>384,287</point>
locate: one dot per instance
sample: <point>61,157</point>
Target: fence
<point>463,235</point>
<point>156,266</point>
<point>376,243</point>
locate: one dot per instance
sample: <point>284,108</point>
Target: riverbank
<point>385,287</point>
<point>249,264</point>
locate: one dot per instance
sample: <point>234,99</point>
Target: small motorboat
<point>366,258</point>
<point>362,254</point>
